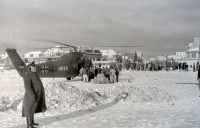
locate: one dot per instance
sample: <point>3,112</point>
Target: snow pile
<point>11,101</point>
<point>60,95</point>
<point>139,94</point>
<point>64,95</point>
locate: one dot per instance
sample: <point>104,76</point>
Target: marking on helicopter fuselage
<point>58,68</point>
<point>63,68</point>
<point>44,69</point>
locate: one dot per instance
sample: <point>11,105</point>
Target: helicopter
<point>67,65</point>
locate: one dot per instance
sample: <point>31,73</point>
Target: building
<point>130,56</point>
<point>93,55</point>
<point>181,54</point>
<point>46,56</point>
<point>174,57</point>
<point>193,51</point>
<point>108,56</point>
<point>5,62</point>
<point>192,54</point>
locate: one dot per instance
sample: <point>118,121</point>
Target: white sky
<point>163,27</point>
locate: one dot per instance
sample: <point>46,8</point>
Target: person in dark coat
<point>120,67</point>
<point>193,67</point>
<point>156,66</point>
<point>173,65</point>
<point>34,98</point>
<point>186,67</point>
<point>183,66</point>
<point>179,66</point>
<point>107,71</point>
<point>197,66</point>
<point>198,78</point>
<point>95,71</point>
<point>90,74</point>
<point>99,70</point>
<point>117,74</point>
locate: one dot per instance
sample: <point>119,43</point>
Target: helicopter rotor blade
<point>117,46</point>
<point>50,47</point>
<point>54,42</point>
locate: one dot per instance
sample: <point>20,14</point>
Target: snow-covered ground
<point>139,99</point>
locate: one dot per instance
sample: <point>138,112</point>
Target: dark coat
<point>107,71</point>
<point>34,98</point>
<point>198,76</point>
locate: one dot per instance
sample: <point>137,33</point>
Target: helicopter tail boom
<point>17,61</point>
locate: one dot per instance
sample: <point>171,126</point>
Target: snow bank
<point>64,95</point>
<point>61,95</point>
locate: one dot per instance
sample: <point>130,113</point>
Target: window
<point>190,55</point>
<point>193,55</point>
<point>31,55</point>
<point>197,55</point>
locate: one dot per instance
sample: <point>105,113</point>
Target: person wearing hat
<point>34,98</point>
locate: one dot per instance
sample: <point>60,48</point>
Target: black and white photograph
<point>99,64</point>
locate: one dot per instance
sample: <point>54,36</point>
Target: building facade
<point>181,54</point>
<point>108,56</point>
<point>193,51</point>
<point>192,54</point>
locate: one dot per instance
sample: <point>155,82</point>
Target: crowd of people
<point>111,73</point>
<point>152,66</point>
<point>156,66</point>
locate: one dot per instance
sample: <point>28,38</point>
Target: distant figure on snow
<point>193,67</point>
<point>197,66</point>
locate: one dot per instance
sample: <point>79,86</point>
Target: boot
<point>29,122</point>
<point>33,122</point>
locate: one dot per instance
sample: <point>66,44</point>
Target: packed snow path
<point>45,121</point>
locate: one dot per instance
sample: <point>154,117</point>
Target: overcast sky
<point>162,26</point>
